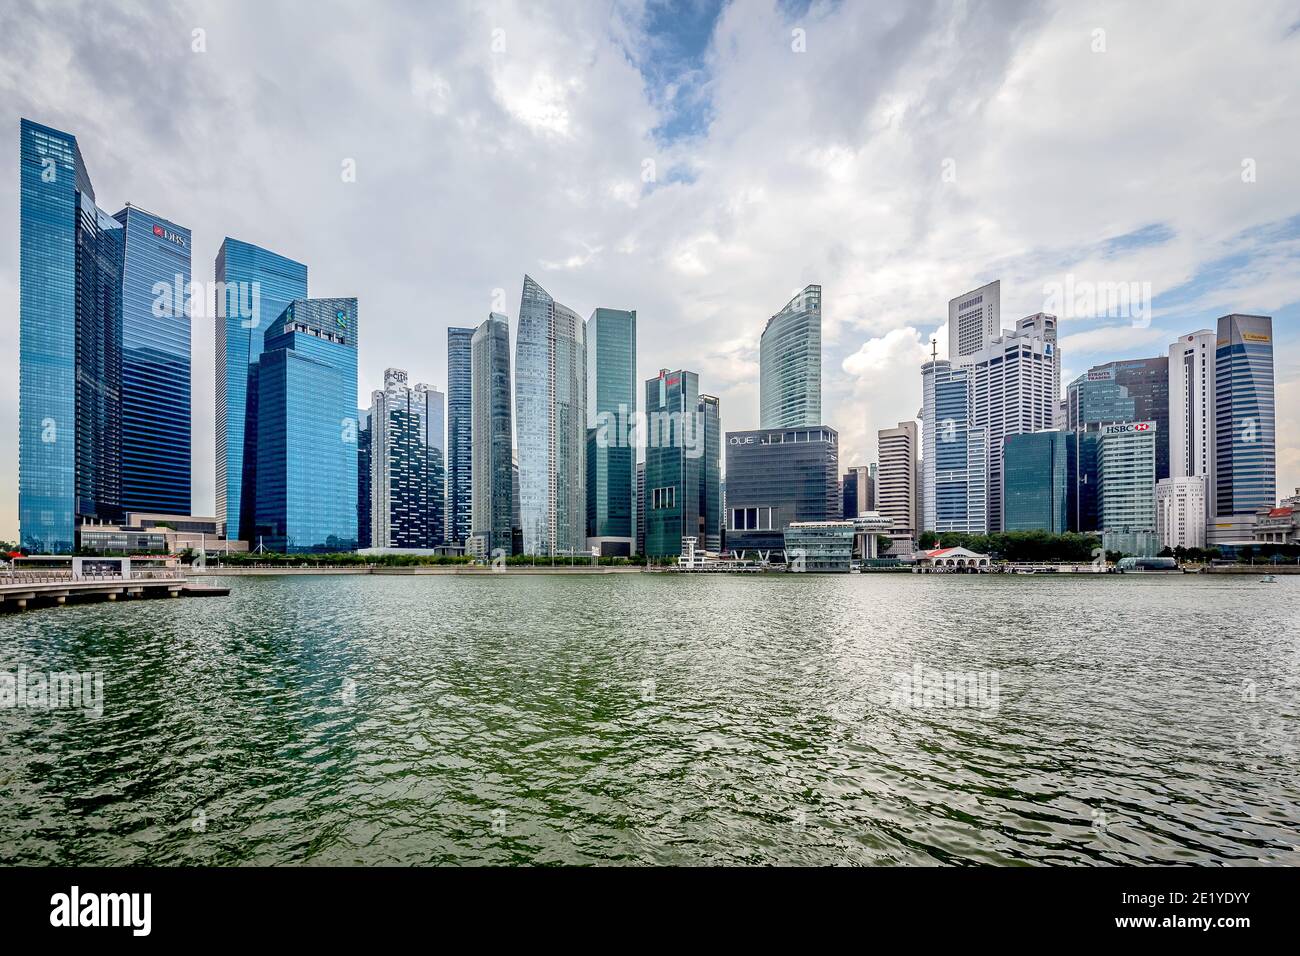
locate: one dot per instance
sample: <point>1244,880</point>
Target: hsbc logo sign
<point>162,233</point>
<point>1129,428</point>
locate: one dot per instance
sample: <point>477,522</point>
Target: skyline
<point>554,130</point>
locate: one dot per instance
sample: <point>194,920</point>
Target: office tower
<point>71,257</point>
<point>155,405</point>
<point>974,321</point>
<point>1016,390</point>
<point>1191,406</point>
<point>1147,382</point>
<point>611,405</point>
<point>855,493</point>
<point>896,483</point>
<point>790,364</point>
<point>306,374</point>
<point>1093,400</point>
<point>551,416</point>
<point>1036,482</point>
<point>956,476</point>
<point>406,484</point>
<point>1245,455</point>
<point>776,477</point>
<point>364,490</point>
<point>674,458</point>
<point>1180,512</point>
<point>710,530</point>
<point>253,288</point>
<point>460,436</point>
<point>434,403</point>
<point>491,423</point>
<point>640,507</point>
<point>1126,473</point>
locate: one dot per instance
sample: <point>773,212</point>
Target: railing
<point>55,577</point>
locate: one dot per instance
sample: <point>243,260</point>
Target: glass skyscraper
<point>956,475</point>
<point>70,346</point>
<point>155,364</point>
<point>492,423</point>
<point>776,477</point>
<point>790,364</point>
<point>1245,451</point>
<point>1093,400</point>
<point>710,531</point>
<point>611,403</point>
<point>1147,384</point>
<point>253,288</point>
<point>551,418</point>
<point>460,436</point>
<point>1036,476</point>
<point>306,491</point>
<point>673,462</point>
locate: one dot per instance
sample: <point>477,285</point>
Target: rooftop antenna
<point>934,350</point>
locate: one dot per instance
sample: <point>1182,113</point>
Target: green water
<point>664,719</point>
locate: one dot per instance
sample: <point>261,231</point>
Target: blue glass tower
<point>70,345</point>
<point>306,491</point>
<point>1035,477</point>
<point>460,438</point>
<point>155,364</point>
<point>1245,454</point>
<point>674,459</point>
<point>253,287</point>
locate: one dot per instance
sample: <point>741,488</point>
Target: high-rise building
<point>674,458</point>
<point>710,530</point>
<point>1036,482</point>
<point>493,497</point>
<point>306,374</point>
<point>1016,390</point>
<point>253,288</point>
<point>855,492</point>
<point>1126,473</point>
<point>974,321</point>
<point>1245,453</point>
<point>640,508</point>
<point>956,452</point>
<point>896,484</point>
<point>1191,405</point>
<point>155,364</point>
<point>460,437</point>
<point>364,490</point>
<point>551,418</point>
<point>611,405</point>
<point>71,257</point>
<point>1147,383</point>
<point>1093,400</point>
<point>777,476</point>
<point>790,364</point>
<point>1180,512</point>
<point>406,464</point>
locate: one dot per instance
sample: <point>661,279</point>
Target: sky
<point>698,162</point>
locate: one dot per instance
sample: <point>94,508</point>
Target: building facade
<point>306,375</point>
<point>974,321</point>
<point>155,412</point>
<point>674,460</point>
<point>1093,401</point>
<point>460,436</point>
<point>551,420</point>
<point>1036,482</point>
<point>1245,427</point>
<point>1147,383</point>
<point>611,407</point>
<point>710,528</point>
<point>253,288</point>
<point>492,424</point>
<point>1192,361</point>
<point>1180,512</point>
<point>406,480</point>
<point>1126,471</point>
<point>776,477</point>
<point>956,452</point>
<point>898,450</point>
<point>790,364</point>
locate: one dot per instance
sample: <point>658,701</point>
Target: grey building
<point>778,476</point>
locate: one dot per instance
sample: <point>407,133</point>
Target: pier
<point>55,581</point>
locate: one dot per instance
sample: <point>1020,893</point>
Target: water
<point>664,719</point>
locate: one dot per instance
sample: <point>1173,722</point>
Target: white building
<point>1191,411</point>
<point>1126,473</point>
<point>974,320</point>
<point>1180,512</point>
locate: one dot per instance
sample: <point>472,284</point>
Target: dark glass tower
<point>611,403</point>
<point>253,288</point>
<point>1035,478</point>
<point>673,461</point>
<point>155,364</point>
<point>710,419</point>
<point>460,438</point>
<point>70,345</point>
<point>1093,400</point>
<point>493,467</point>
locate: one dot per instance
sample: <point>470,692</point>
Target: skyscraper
<point>776,477</point>
<point>405,456</point>
<point>790,364</point>
<point>710,419</point>
<point>1126,469</point>
<point>71,256</point>
<point>305,497</point>
<point>491,425</point>
<point>855,492</point>
<point>1036,482</point>
<point>155,364</point>
<point>1192,361</point>
<point>956,476</point>
<point>1147,383</point>
<point>896,483</point>
<point>364,489</point>
<point>253,288</point>
<point>974,320</point>
<point>1093,400</point>
<point>1245,454</point>
<point>674,459</point>
<point>611,403</point>
<point>551,417</point>
<point>460,437</point>
<point>640,507</point>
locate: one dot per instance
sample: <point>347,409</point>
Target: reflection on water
<point>871,719</point>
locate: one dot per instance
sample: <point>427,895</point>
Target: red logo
<point>1144,427</point>
<point>158,231</point>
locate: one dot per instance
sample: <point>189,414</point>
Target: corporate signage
<point>1129,428</point>
<point>1102,375</point>
<point>170,236</point>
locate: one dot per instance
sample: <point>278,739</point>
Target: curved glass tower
<point>790,364</point>
<point>551,421</point>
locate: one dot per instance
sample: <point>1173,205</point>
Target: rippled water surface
<point>637,718</point>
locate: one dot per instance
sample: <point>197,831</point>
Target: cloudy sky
<point>698,162</point>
